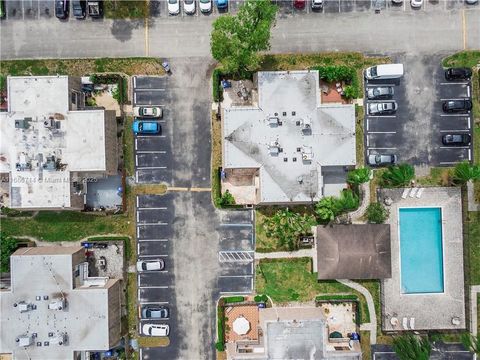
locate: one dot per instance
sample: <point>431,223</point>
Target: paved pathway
<point>472,205</point>
<point>285,254</point>
<point>474,292</point>
<point>357,214</point>
<point>372,325</point>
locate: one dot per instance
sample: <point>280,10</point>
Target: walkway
<point>472,205</point>
<point>311,253</point>
<point>357,214</point>
<point>474,291</point>
<point>372,325</point>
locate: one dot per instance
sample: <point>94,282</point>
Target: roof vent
<point>274,148</point>
<point>285,159</point>
<point>294,113</point>
<point>273,121</point>
<point>284,113</point>
<point>58,304</point>
<point>24,307</point>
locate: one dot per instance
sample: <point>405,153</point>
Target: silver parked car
<point>382,159</point>
<point>155,312</point>
<point>380,92</point>
<point>150,265</point>
<point>382,108</point>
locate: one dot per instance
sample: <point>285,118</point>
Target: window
<point>74,98</point>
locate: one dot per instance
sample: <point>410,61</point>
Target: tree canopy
<point>465,171</point>
<point>237,39</point>
<point>8,246</point>
<point>409,347</point>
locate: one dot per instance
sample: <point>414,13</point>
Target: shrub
<point>219,346</point>
<point>409,347</point>
<point>350,92</point>
<point>260,298</point>
<point>8,246</point>
<point>348,201</point>
<point>336,297</point>
<point>327,209</point>
<point>227,199</point>
<point>233,299</point>
<point>465,171</point>
<point>333,73</point>
<point>217,86</point>
<point>398,175</point>
<point>359,176</point>
<point>376,213</point>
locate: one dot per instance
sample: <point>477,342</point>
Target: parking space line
<point>235,276</point>
<point>454,147</point>
<point>136,176</point>
<point>134,97</point>
<point>468,91</point>
<point>377,148</point>
<point>147,240</point>
<point>469,123</point>
<point>153,208</point>
<point>382,116</point>
<point>451,99</point>
<point>141,90</point>
<point>454,83</point>
<point>459,115</point>
<point>162,319</point>
<point>152,224</point>
<point>142,256</point>
<point>454,130</point>
<point>235,292</point>
<point>469,154</point>
<point>138,199</point>
<point>136,144</point>
<point>368,142</point>
<point>153,287</point>
<point>151,167</point>
<point>151,152</point>
<point>381,132</point>
<point>134,82</point>
<point>146,136</point>
<point>136,160</point>
<point>154,303</point>
<point>367,125</point>
<point>449,162</point>
<point>237,224</point>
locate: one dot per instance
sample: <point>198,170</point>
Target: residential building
<point>52,145</point>
<point>53,310</point>
<point>286,146</point>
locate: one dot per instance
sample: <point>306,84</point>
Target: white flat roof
<point>40,126</point>
<point>85,318</point>
<point>289,123</point>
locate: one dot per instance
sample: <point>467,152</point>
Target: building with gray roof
<point>287,146</point>
<point>355,251</point>
<point>53,310</point>
<point>51,144</point>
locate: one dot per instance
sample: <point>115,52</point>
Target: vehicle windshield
<point>205,1</point>
<point>378,159</point>
<point>140,126</point>
<point>373,71</point>
<point>188,2</point>
<point>144,266</point>
<point>172,1</point>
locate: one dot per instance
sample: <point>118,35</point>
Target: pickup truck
<point>95,9</point>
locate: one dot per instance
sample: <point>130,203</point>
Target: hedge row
<point>220,344</point>
<point>217,86</point>
<point>233,299</point>
<point>336,297</point>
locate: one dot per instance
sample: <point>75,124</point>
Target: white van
<point>384,71</point>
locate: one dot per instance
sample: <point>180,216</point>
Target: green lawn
<point>286,280</point>
<point>439,176</point>
<point>469,58</point>
<point>128,147</point>
<point>360,150</point>
<point>473,242</point>
<point>126,9</point>
<point>65,225</point>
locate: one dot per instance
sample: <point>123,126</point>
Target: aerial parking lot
<point>414,131</point>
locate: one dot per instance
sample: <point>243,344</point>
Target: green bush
<point>334,73</point>
<point>328,208</point>
<point>233,299</point>
<point>217,86</point>
<point>220,329</point>
<point>351,92</point>
<point>220,346</point>
<point>465,171</point>
<point>398,175</point>
<point>227,199</point>
<point>15,213</point>
<point>359,176</point>
<point>376,213</point>
<point>348,201</point>
<point>260,298</point>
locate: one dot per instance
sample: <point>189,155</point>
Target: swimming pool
<point>421,250</point>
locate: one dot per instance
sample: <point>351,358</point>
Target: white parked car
<point>205,6</point>
<point>156,329</point>
<point>317,4</point>
<point>147,112</point>
<point>173,7</point>
<point>416,3</point>
<point>150,265</point>
<point>189,7</point>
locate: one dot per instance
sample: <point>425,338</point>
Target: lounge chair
<point>412,323</point>
<point>405,323</point>
<point>413,192</point>
<point>405,193</point>
<point>419,192</point>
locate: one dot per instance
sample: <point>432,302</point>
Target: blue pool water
<point>421,255</point>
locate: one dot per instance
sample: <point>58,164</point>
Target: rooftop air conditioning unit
<point>307,154</point>
<point>274,148</point>
<point>307,123</point>
<point>57,305</point>
<point>24,340</point>
<point>273,121</point>
<point>24,307</point>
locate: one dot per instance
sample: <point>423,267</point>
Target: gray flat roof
<point>37,273</point>
<point>290,137</point>
<point>357,251</point>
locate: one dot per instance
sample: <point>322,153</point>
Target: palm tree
<point>399,175</point>
<point>359,176</point>
<point>409,347</point>
<point>465,171</point>
<point>471,342</point>
<point>348,200</point>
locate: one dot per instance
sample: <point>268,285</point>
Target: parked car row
<point>153,312</point>
<point>145,117</point>
<point>190,7</point>
<point>81,8</point>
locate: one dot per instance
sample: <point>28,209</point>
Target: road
<point>422,32</point>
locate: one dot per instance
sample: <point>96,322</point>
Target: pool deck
<point>430,311</point>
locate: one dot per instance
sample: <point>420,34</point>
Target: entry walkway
<point>372,325</point>
<point>474,291</point>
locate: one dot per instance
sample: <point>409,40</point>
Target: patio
<point>105,193</point>
<point>242,322</point>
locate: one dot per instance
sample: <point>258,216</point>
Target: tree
<point>236,40</point>
<point>399,175</point>
<point>376,213</point>
<point>359,176</point>
<point>471,342</point>
<point>348,201</point>
<point>328,208</point>
<point>7,246</point>
<point>227,199</point>
<point>287,227</point>
<point>465,171</point>
<point>409,347</point>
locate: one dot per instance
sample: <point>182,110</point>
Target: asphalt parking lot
<point>414,132</point>
<point>34,9</point>
<point>197,243</point>
<point>153,155</point>
<point>154,218</point>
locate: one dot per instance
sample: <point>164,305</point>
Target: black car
<point>456,139</point>
<point>460,105</point>
<point>79,8</point>
<point>458,74</point>
<point>62,8</point>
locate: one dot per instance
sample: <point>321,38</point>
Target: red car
<point>299,4</point>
